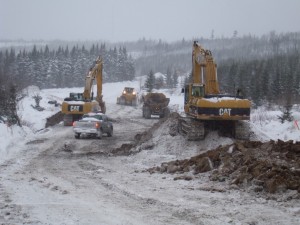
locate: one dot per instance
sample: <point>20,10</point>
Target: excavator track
<point>242,130</point>
<point>192,129</point>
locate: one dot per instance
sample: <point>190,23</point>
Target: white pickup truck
<point>93,124</point>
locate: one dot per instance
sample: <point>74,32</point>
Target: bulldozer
<point>155,104</point>
<point>204,105</point>
<point>77,104</point>
<point>128,97</point>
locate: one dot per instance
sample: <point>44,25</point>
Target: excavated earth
<point>270,167</point>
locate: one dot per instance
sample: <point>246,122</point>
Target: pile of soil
<point>156,98</point>
<point>273,166</point>
<point>54,119</point>
<point>139,139</point>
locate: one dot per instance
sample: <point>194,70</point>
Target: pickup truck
<point>93,125</point>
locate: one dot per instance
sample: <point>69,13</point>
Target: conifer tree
<point>149,84</point>
<point>175,79</point>
<point>169,81</point>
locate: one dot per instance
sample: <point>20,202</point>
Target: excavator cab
<point>76,96</point>
<point>193,91</point>
<point>198,90</point>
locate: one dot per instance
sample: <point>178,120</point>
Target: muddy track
<point>79,161</point>
<point>65,166</point>
<point>64,180</point>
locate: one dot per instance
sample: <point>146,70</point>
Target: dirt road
<point>61,180</point>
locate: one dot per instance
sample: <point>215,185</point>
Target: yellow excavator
<point>206,108</point>
<point>78,104</point>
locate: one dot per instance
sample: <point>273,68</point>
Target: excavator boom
<point>204,69</point>
<point>95,73</point>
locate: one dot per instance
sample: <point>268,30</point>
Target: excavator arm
<point>95,73</point>
<point>204,69</point>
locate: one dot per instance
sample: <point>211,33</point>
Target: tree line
<point>270,80</point>
<point>169,81</point>
<point>59,68</point>
<point>266,68</point>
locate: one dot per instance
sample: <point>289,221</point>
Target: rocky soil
<point>263,168</point>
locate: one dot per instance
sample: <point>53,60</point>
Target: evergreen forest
<point>266,68</point>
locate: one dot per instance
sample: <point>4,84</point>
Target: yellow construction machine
<point>78,104</point>
<point>128,97</point>
<point>155,104</point>
<point>206,108</point>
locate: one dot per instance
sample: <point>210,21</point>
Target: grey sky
<point>123,20</point>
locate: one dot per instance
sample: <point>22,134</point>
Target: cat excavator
<point>78,104</point>
<point>204,105</point>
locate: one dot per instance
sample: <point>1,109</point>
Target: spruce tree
<point>175,79</point>
<point>169,78</point>
<point>12,106</point>
<point>149,84</point>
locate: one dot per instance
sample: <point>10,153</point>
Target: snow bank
<point>29,116</point>
<point>267,122</point>
<point>11,138</point>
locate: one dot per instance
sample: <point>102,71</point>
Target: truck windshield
<point>98,117</point>
<point>129,90</point>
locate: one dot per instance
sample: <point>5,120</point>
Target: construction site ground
<point>148,173</point>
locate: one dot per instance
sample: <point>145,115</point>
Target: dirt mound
<point>55,119</point>
<point>272,166</point>
<point>139,139</point>
<point>123,150</point>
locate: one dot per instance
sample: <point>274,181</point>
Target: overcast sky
<point>130,20</point>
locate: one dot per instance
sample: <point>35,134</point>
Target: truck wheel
<point>147,113</point>
<point>166,112</point>
<point>122,101</point>
<point>134,102</point>
<point>77,135</point>
<point>99,134</point>
<point>68,120</point>
<point>110,133</point>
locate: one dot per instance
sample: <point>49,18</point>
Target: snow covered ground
<point>264,121</point>
<point>55,195</point>
<point>33,120</point>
